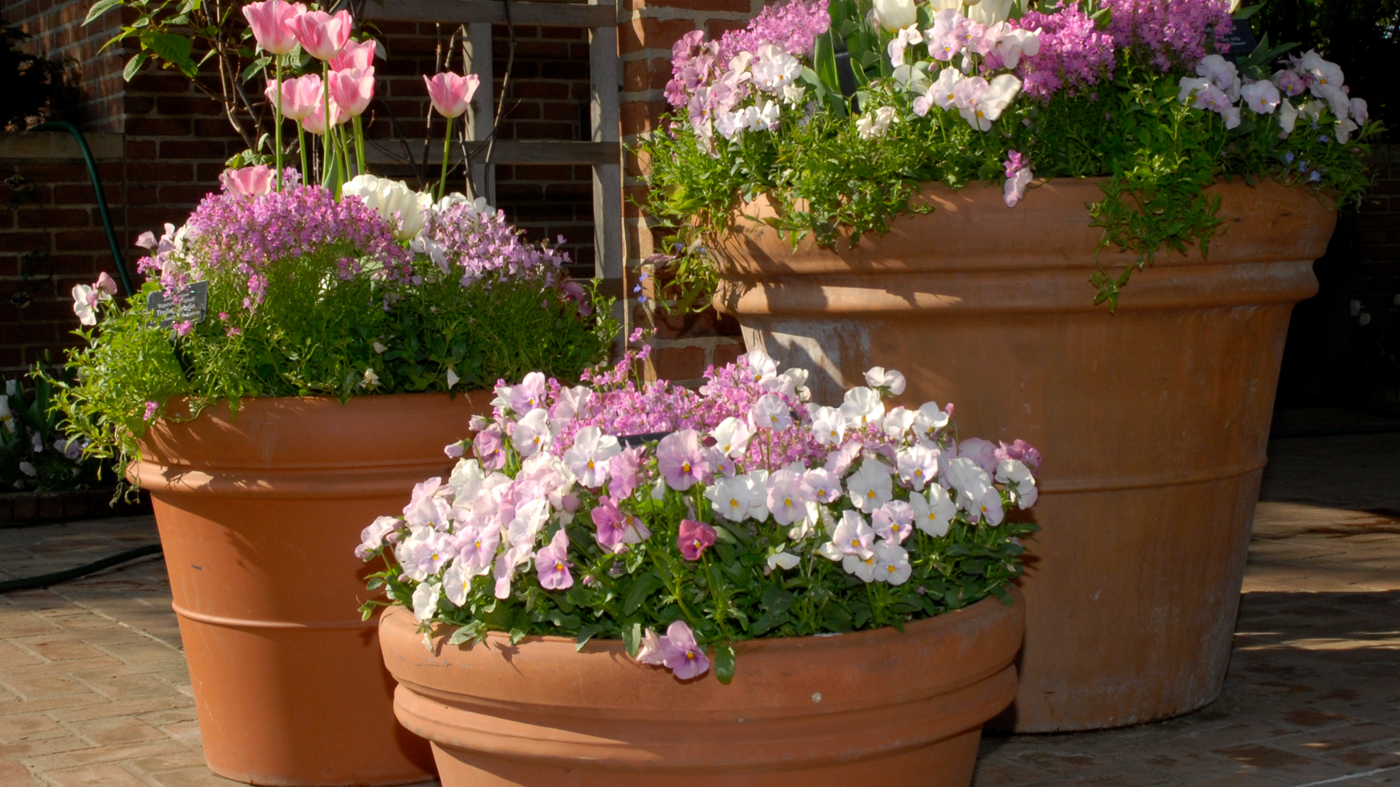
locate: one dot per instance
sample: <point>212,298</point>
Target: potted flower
<point>951,188</point>
<point>283,374</point>
<point>627,583</point>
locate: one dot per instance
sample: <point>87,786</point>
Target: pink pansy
<point>681,460</point>
<point>788,495</point>
<point>552,563</point>
<point>477,545</point>
<point>893,521</point>
<point>300,96</point>
<point>489,448</point>
<point>454,450</point>
<point>694,539</point>
<point>853,536</point>
<point>528,395</point>
<point>650,651</point>
<point>451,93</point>
<point>1261,97</point>
<point>252,181</point>
<point>105,283</point>
<point>1018,177</point>
<point>322,35</point>
<point>980,451</point>
<point>1019,450</point>
<point>824,485</point>
<point>681,654</point>
<point>353,89</point>
<point>917,465</point>
<point>1290,83</point>
<point>505,569</point>
<point>372,537</point>
<point>622,470</point>
<point>611,525</point>
<point>269,20</point>
<point>355,54</point>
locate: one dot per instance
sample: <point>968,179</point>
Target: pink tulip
<point>316,121</point>
<point>452,93</point>
<point>321,34</point>
<point>248,181</point>
<point>300,96</point>
<point>355,54</point>
<point>269,20</point>
<point>105,283</point>
<point>352,89</point>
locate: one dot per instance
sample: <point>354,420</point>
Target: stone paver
<point>94,689</point>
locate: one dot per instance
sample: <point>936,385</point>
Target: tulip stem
<point>277,128</point>
<point>446,149</point>
<point>326,132</point>
<point>301,148</point>
<point>359,146</point>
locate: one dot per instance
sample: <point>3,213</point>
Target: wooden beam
<point>510,151</point>
<point>491,11</point>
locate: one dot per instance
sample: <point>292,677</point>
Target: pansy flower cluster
<point>741,510</point>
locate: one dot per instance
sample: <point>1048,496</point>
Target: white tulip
<point>990,12</point>
<point>896,14</point>
<point>393,200</point>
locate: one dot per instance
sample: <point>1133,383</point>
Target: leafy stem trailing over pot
<point>840,110</point>
<point>757,514</point>
<point>276,287</point>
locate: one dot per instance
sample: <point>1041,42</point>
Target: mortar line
<point>1349,777</point>
<point>105,616</point>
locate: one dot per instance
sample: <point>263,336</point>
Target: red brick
<point>678,363</point>
<point>729,352</point>
<point>649,33</point>
<point>641,116</point>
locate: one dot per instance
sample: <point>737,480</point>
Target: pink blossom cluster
<point>480,244</point>
<point>1170,33</point>
<point>555,491</point>
<point>793,25</point>
<point>231,234</point>
<point>1074,55</point>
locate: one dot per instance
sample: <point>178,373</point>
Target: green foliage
<point>316,334</point>
<point>1156,158</point>
<point>35,454</point>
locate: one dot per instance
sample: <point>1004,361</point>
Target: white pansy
<point>7,418</point>
<point>588,458</point>
<point>1343,129</point>
<point>760,366</point>
<point>987,502</point>
<point>465,480</point>
<point>757,484</point>
<point>28,469</point>
<point>897,422</point>
<point>1188,87</point>
<point>901,42</point>
<point>1015,474</point>
<point>862,407</point>
<point>892,562</point>
<point>372,537</point>
<point>775,69</point>
<point>1287,116</point>
<point>732,437</point>
<point>1013,43</point>
<point>1221,73</point>
<point>457,582</point>
<point>862,567</point>
<point>731,498</point>
<point>1261,97</point>
<point>871,486</point>
<point>1325,74</point>
<point>784,560</point>
<point>934,512</point>
<point>797,381</point>
<point>793,95</point>
<point>928,422</point>
<point>875,124</point>
<point>770,412</point>
<point>969,480</point>
<point>532,432</point>
<point>982,113</point>
<point>425,601</point>
<point>400,206</point>
<point>917,465</point>
<point>890,379</point>
<point>828,425</point>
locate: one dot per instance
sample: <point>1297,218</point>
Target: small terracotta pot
<point>1152,422</point>
<point>876,707</point>
<point>259,517</point>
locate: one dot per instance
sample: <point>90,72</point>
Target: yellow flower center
<point>559,566</point>
<point>685,468</point>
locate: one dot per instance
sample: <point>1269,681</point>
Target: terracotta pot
<point>1153,422</point>
<point>876,707</point>
<point>259,517</point>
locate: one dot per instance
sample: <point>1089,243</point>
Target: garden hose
<point>57,577</point>
<point>101,197</point>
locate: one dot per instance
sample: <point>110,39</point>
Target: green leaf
<point>254,68</point>
<point>632,638</point>
<point>134,64</point>
<point>723,534</point>
<point>645,585</point>
<point>1245,12</point>
<point>724,663</point>
<point>586,633</point>
<point>517,634</point>
<point>174,49</point>
<point>474,631</point>
<point>99,8</point>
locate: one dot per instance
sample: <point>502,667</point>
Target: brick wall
<point>58,33</point>
<point>683,345</point>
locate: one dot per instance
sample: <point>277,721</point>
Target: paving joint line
<point>105,616</point>
<point>1349,777</point>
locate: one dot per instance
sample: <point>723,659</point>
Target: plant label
<point>191,303</point>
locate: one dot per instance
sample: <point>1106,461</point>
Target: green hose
<point>44,580</point>
<point>101,197</point>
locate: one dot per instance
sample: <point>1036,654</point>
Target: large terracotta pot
<point>876,707</point>
<point>1153,422</point>
<point>259,516</point>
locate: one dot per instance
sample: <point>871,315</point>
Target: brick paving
<point>94,690</point>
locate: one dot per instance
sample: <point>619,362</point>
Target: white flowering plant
<point>840,111</point>
<point>682,522</point>
<point>35,454</point>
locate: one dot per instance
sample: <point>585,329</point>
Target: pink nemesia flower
<point>269,22</point>
<point>552,563</point>
<point>451,93</point>
<point>680,654</point>
<point>252,181</point>
<point>694,538</point>
<point>681,460</point>
<point>352,89</point>
<point>355,54</point>
<point>322,35</point>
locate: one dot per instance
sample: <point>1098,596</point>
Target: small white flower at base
<point>425,601</point>
<point>783,560</point>
<point>874,124</point>
<point>452,379</point>
<point>371,380</point>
